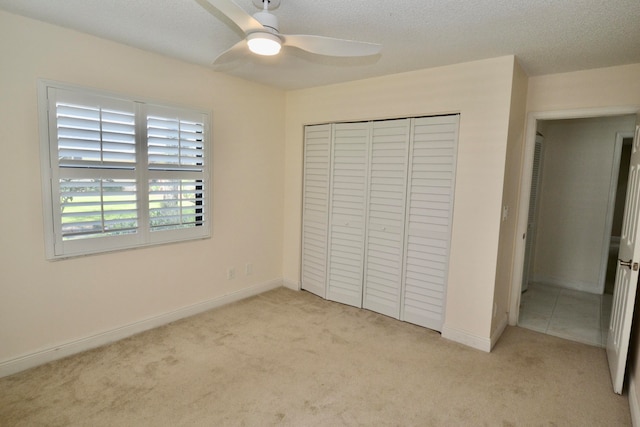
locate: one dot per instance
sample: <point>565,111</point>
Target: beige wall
<point>602,87</point>
<point>511,192</point>
<point>578,162</point>
<point>44,304</point>
<point>481,92</point>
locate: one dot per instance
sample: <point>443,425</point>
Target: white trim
<point>45,167</point>
<point>634,406</point>
<point>568,283</point>
<point>467,338</point>
<point>293,285</point>
<point>12,366</point>
<point>497,333</point>
<point>525,186</point>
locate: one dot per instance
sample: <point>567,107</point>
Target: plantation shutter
<point>429,218</point>
<point>386,215</point>
<point>315,206</point>
<point>120,173</point>
<point>94,176</point>
<point>175,150</point>
<point>347,212</point>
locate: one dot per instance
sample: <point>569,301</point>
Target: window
<point>120,173</point>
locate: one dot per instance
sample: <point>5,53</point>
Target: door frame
<point>525,186</point>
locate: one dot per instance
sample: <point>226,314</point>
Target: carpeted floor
<point>290,358</point>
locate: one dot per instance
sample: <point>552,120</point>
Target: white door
<point>431,182</point>
<point>624,294</point>
<point>315,208</point>
<point>385,216</point>
<point>347,212</point>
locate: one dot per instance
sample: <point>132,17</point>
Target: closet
<point>377,210</point>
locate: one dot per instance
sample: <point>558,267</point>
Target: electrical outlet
<point>248,269</point>
<point>231,273</point>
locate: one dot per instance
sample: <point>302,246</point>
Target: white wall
<point>481,92</point>
<point>510,196</point>
<point>44,304</point>
<point>574,200</point>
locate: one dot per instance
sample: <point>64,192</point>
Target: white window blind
<point>174,143</point>
<point>120,173</point>
<point>96,207</point>
<point>175,150</point>
<point>90,136</point>
<point>175,204</point>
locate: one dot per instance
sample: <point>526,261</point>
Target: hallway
<point>573,315</point>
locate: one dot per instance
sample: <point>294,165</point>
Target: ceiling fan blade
<point>242,19</point>
<point>235,52</point>
<point>331,47</point>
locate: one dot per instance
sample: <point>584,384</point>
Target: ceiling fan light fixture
<point>264,44</point>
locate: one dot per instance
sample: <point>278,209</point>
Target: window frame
<point>141,172</point>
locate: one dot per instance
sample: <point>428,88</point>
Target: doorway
<point>569,242</point>
<point>535,125</point>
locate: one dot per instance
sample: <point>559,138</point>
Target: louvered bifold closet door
<point>386,216</point>
<point>347,212</point>
<point>315,206</point>
<point>531,218</point>
<point>429,216</point>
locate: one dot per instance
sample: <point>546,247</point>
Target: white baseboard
<point>467,338</point>
<point>634,406</point>
<point>575,285</point>
<point>12,366</point>
<point>497,333</point>
<point>291,284</point>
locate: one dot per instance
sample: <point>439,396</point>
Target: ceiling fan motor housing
<point>268,20</point>
<point>271,4</point>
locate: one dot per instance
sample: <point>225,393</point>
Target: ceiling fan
<point>263,37</point>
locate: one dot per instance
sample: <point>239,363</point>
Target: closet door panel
<point>386,216</point>
<point>315,207</point>
<point>347,212</point>
<point>429,217</point>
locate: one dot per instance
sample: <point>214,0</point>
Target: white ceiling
<point>548,36</point>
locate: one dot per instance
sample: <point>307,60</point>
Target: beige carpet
<point>290,358</point>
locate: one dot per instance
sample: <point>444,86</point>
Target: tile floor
<point>573,315</point>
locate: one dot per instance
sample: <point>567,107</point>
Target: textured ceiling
<point>548,36</point>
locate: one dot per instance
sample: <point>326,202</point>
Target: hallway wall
<point>574,201</point>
